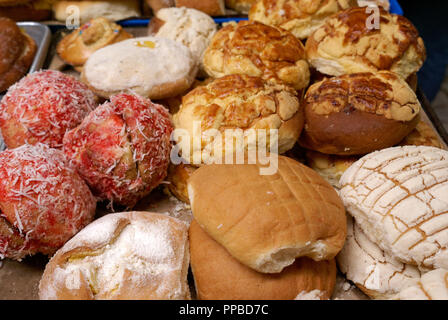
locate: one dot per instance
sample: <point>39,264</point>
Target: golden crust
<point>255,49</point>
<point>240,102</point>
<point>242,6</point>
<point>267,221</point>
<point>358,113</point>
<point>210,7</point>
<point>219,276</point>
<point>345,44</point>
<point>422,135</point>
<point>76,47</point>
<point>178,176</point>
<point>300,17</point>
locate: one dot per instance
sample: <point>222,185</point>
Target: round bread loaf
<point>376,273</point>
<point>300,17</point>
<point>121,256</point>
<point>398,198</point>
<point>43,201</point>
<point>76,47</point>
<point>347,43</point>
<point>432,286</point>
<point>178,176</point>
<point>267,221</point>
<point>241,6</point>
<point>358,113</point>
<point>16,53</point>
<point>152,67</point>
<point>237,102</point>
<point>219,276</point>
<point>255,49</point>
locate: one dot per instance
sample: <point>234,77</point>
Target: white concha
<point>432,286</point>
<point>399,198</point>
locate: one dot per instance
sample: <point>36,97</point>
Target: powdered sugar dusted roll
<point>129,255</point>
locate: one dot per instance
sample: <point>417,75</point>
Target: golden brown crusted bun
<point>267,221</point>
<point>300,17</point>
<point>121,256</point>
<point>76,47</point>
<point>210,7</point>
<point>344,44</point>
<point>16,53</point>
<point>239,102</point>
<point>178,176</point>
<point>242,6</point>
<point>422,135</point>
<point>259,50</point>
<point>358,113</point>
<point>219,276</point>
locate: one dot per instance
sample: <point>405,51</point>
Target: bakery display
<point>26,10</point>
<point>76,47</point>
<point>16,53</point>
<point>241,6</point>
<point>178,176</point>
<point>300,17</point>
<point>210,7</point>
<point>191,27</point>
<point>236,102</point>
<point>358,113</point>
<point>375,272</point>
<point>43,201</point>
<point>398,198</point>
<point>345,44</point>
<point>432,286</point>
<point>267,221</point>
<point>121,256</point>
<point>87,10</point>
<point>122,149</point>
<point>255,49</point>
<point>152,67</point>
<point>213,267</point>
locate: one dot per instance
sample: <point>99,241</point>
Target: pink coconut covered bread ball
<point>43,201</point>
<point>42,106</point>
<point>122,149</point>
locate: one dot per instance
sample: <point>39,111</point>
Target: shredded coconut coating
<point>122,149</point>
<point>42,107</point>
<point>43,201</point>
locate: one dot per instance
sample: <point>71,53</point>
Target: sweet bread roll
<point>122,148</point>
<point>219,276</point>
<point>156,5</point>
<point>329,167</point>
<point>178,176</point>
<point>43,201</point>
<point>255,49</point>
<point>376,273</point>
<point>237,102</point>
<point>358,113</point>
<point>267,221</point>
<point>111,9</point>
<point>422,135</point>
<point>398,198</point>
<point>16,53</point>
<point>241,6</point>
<point>346,43</point>
<point>76,47</point>
<point>121,256</point>
<point>191,27</point>
<point>152,67</point>
<point>432,286</point>
<point>300,17</point>
<point>210,7</point>
<point>26,10</point>
<point>42,107</point>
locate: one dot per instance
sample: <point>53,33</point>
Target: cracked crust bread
<point>191,27</point>
<point>300,17</point>
<point>432,286</point>
<point>238,102</point>
<point>267,221</point>
<point>422,135</point>
<point>76,47</point>
<point>376,273</point>
<point>398,198</point>
<point>219,276</point>
<point>121,256</point>
<point>255,49</point>
<point>358,113</point>
<point>345,44</point>
<point>151,67</point>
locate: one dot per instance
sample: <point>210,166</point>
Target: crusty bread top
<point>432,285</point>
<point>255,49</point>
<point>266,221</point>
<point>300,17</point>
<point>383,93</point>
<point>346,44</point>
